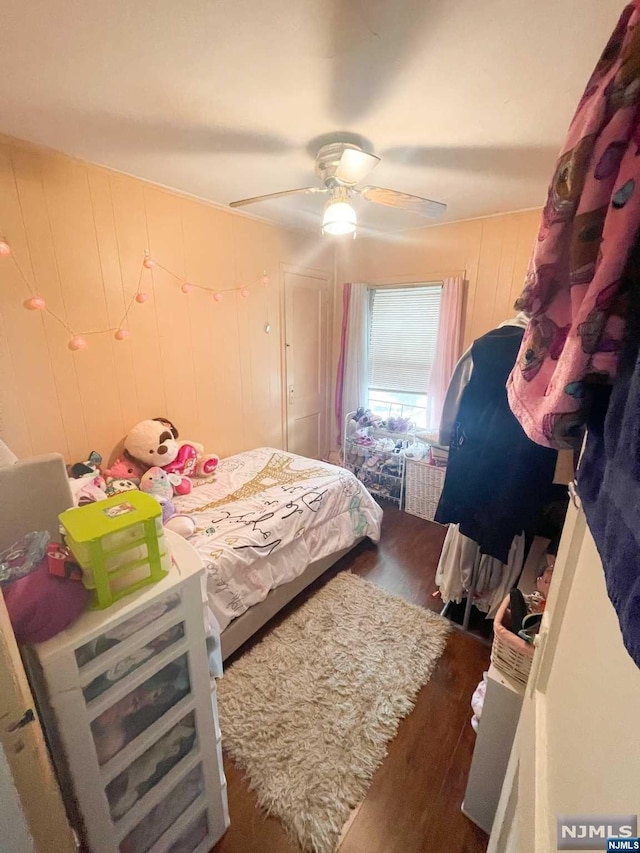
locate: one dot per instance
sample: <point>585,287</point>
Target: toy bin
<point>119,544</point>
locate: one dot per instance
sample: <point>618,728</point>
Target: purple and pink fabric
<point>40,605</point>
<point>589,224</point>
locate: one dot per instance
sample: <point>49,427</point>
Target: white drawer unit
<point>127,694</point>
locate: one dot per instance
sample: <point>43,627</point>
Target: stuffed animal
<point>86,469</point>
<point>158,484</point>
<point>86,490</point>
<point>119,487</point>
<point>366,418</point>
<point>182,524</point>
<point>155,442</point>
<point>124,468</point>
<point>399,424</point>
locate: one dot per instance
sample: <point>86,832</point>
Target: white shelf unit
<point>497,729</point>
<point>388,484</point>
<point>127,693</point>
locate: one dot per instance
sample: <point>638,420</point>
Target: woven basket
<point>510,653</point>
<point>423,487</point>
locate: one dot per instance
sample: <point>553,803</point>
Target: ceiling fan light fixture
<point>341,166</point>
<point>339,217</point>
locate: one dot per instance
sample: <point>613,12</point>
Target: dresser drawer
<point>192,837</point>
<point>157,821</point>
<point>134,660</point>
<point>102,643</point>
<point>147,771</point>
<point>131,715</point>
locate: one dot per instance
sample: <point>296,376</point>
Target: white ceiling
<point>467,101</point>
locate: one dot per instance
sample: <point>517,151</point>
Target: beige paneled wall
<point>79,233</point>
<point>492,254</point>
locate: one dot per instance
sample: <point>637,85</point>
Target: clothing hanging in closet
<point>459,381</point>
<point>462,568</point>
<point>497,479</point>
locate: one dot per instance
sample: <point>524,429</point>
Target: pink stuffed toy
<point>155,442</point>
<point>124,468</point>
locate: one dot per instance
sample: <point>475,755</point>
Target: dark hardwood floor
<point>413,804</point>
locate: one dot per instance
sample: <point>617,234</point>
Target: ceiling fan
<point>340,167</point>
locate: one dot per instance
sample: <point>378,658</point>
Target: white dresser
<point>130,710</point>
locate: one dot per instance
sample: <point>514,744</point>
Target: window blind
<point>403,332</point>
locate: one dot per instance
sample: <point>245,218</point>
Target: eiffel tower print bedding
<point>265,516</point>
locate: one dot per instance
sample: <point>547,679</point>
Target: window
<point>403,333</point>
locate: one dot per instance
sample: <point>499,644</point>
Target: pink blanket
<point>589,224</point>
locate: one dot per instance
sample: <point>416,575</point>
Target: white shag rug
<point>308,713</point>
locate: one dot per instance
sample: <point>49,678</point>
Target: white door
<point>32,494</point>
<point>307,373</point>
<point>577,748</point>
<point>32,815</point>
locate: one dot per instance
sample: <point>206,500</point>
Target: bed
<point>267,525</point>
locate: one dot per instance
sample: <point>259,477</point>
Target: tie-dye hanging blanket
<point>572,290</point>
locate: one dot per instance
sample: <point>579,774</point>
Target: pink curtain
<point>448,348</point>
<point>352,381</point>
<point>340,414</point>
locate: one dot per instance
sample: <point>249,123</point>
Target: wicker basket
<point>423,487</point>
<point>510,653</point>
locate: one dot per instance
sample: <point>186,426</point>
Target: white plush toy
<point>155,442</point>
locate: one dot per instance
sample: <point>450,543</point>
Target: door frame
<point>26,752</point>
<point>526,780</point>
<point>327,279</point>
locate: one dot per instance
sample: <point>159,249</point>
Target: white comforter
<point>265,516</point>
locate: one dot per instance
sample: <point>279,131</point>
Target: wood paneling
<point>79,232</point>
<point>492,254</point>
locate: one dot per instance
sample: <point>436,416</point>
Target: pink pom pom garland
<point>36,303</point>
<point>79,342</point>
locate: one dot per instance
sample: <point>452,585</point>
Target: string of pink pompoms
<point>79,342</point>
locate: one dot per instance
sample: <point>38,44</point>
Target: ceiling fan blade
<point>393,198</point>
<point>354,165</point>
<point>518,161</point>
<point>371,43</point>
<point>270,196</point>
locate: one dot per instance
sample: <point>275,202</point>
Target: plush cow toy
<point>155,442</point>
